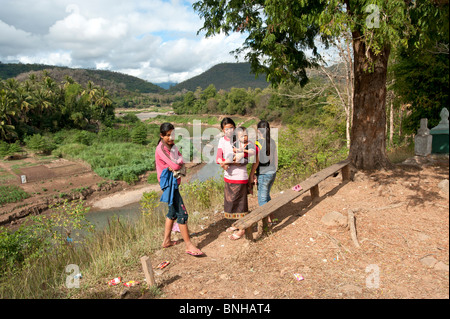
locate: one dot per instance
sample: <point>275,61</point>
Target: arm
<point>175,166</point>
<point>251,176</point>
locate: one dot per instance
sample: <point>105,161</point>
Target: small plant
<point>149,202</point>
<point>12,194</point>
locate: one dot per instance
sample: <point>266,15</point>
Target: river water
<point>131,212</point>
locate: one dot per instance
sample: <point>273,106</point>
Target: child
<point>236,178</point>
<point>168,160</point>
<point>242,148</point>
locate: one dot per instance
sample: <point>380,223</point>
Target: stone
<point>441,266</point>
<point>334,219</point>
<point>423,140</point>
<point>443,186</point>
<point>429,261</point>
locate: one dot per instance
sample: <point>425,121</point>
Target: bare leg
<point>167,232</point>
<point>187,240</point>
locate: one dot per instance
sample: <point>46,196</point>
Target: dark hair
<point>226,121</point>
<point>264,127</point>
<point>164,128</point>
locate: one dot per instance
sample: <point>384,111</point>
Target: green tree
<point>421,72</point>
<point>7,112</point>
<point>280,31</point>
<point>139,134</point>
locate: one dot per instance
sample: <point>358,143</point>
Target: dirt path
<point>402,221</point>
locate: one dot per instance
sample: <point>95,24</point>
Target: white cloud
<point>152,39</point>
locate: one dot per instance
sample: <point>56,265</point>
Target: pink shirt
<point>165,158</point>
<point>235,174</point>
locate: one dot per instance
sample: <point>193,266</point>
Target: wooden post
<point>345,173</point>
<point>249,233</point>
<point>148,271</point>
<point>314,192</point>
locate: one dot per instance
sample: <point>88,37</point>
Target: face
<point>243,137</point>
<point>228,129</point>
<point>168,138</point>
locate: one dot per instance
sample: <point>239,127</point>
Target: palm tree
<point>91,91</point>
<point>7,131</point>
<point>103,101</point>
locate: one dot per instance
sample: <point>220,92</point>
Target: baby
<point>242,148</point>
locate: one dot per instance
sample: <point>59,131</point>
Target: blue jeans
<point>265,183</point>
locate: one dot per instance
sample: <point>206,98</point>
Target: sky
<point>155,40</point>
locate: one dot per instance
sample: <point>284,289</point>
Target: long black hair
<point>264,128</point>
<point>164,128</point>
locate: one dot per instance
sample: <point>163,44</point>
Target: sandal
<point>234,236</point>
<point>195,253</point>
<point>297,188</point>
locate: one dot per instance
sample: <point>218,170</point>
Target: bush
<point>9,149</point>
<point>139,134</point>
<point>40,143</point>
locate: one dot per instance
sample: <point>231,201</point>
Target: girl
<point>168,160</point>
<point>266,164</point>
<point>236,178</point>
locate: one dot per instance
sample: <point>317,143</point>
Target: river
<point>131,211</point>
<point>99,217</point>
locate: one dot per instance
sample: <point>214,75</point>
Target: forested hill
<point>224,76</point>
<point>114,82</point>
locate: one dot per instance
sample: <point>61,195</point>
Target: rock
<point>443,186</point>
<point>429,261</point>
<point>224,277</point>
<point>334,219</point>
<point>441,266</point>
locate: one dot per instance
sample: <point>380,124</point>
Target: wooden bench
<point>311,184</point>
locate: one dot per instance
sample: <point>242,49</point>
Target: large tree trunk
<point>368,135</point>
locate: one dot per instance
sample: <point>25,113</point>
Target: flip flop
<point>173,243</point>
<point>297,188</point>
<point>195,254</point>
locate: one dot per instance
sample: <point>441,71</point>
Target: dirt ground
<point>402,223</point>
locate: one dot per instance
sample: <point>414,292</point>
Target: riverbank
<point>51,181</point>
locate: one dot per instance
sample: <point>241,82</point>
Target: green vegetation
<point>224,76</point>
<point>114,154</point>
<point>114,82</point>
<point>12,194</point>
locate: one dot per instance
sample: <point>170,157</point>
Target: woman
<point>235,176</point>
<point>169,161</point>
<point>266,164</point>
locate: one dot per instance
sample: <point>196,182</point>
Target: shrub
<point>139,134</point>
<point>39,143</point>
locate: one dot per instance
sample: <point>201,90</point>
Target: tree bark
<point>368,135</point>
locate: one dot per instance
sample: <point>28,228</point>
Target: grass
<point>108,253</point>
